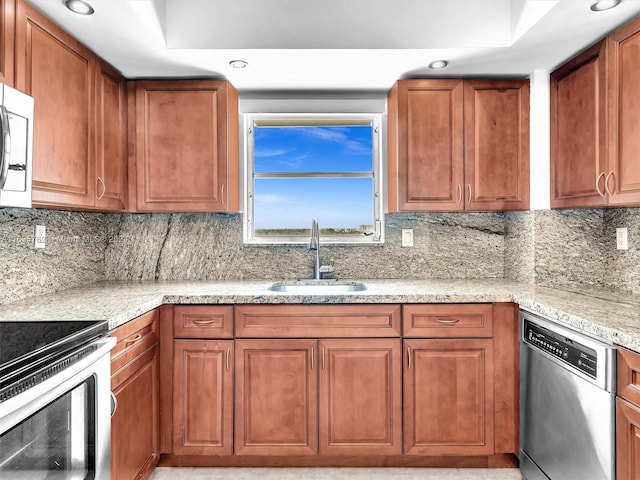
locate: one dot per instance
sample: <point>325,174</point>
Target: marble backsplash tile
<point>73,256</point>
<point>209,247</point>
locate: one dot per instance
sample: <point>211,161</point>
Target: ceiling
<point>336,44</point>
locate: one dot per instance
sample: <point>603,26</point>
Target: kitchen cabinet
<point>333,396</point>
<point>202,380</point>
<point>628,416</point>
<point>460,381</point>
<point>594,124</point>
<point>134,382</point>
<point>458,145</point>
<point>79,152</point>
<point>7,41</point>
<point>578,131</point>
<point>59,73</point>
<point>186,146</point>
<point>360,396</point>
<point>111,139</point>
<point>276,397</point>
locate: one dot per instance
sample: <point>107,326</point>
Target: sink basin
<point>317,287</point>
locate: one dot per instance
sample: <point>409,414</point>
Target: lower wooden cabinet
<point>276,397</point>
<point>360,397</point>
<point>448,397</point>
<point>628,416</point>
<point>202,397</point>
<point>134,382</point>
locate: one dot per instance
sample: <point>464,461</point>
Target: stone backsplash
<point>563,248</point>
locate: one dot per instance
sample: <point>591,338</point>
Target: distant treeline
<point>307,232</point>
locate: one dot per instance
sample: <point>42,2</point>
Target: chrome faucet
<point>314,244</point>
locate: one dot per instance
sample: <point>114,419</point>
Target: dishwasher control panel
<point>565,349</point>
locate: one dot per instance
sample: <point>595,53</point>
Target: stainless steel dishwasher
<point>567,403</point>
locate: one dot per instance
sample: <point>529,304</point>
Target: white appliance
<point>16,147</point>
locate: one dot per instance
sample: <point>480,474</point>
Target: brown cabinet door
<point>111,139</point>
<point>202,397</point>
<point>7,41</point>
<point>496,117</point>
<point>360,397</point>
<point>448,397</point>
<point>623,177</point>
<point>186,152</point>
<point>134,425</point>
<point>59,73</point>
<point>578,131</point>
<point>627,440</point>
<point>276,397</point>
<point>426,161</point>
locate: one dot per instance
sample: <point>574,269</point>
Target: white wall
<point>540,149</point>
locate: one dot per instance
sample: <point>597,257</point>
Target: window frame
<point>313,119</point>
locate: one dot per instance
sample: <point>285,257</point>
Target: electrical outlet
<point>621,239</point>
<point>407,237</point>
<point>40,236</point>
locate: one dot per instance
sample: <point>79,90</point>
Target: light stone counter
<point>614,317</point>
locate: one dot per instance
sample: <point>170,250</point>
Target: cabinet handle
<point>114,404</point>
<point>104,188</point>
<point>408,358</point>
<point>134,339</point>
<point>313,354</point>
<point>222,193</point>
<point>323,358</point>
<point>227,359</point>
<point>470,195</point>
<point>204,322</point>
<point>601,193</point>
<point>606,182</point>
<point>448,321</point>
<point>459,193</point>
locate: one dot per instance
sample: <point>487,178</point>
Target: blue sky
<point>292,203</point>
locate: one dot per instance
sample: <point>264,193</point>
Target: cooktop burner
<point>31,351</point>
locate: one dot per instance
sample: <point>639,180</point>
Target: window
<point>303,166</point>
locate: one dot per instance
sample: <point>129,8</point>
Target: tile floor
<point>187,473</point>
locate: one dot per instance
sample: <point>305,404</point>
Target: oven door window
<point>56,443</point>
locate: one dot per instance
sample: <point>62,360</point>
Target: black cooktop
<point>27,348</point>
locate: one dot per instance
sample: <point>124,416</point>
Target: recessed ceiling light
<point>79,6</point>
<point>238,63</point>
<point>602,5</point>
<point>438,64</point>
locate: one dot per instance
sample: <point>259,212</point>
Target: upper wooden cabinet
<point>111,138</point>
<point>459,145</point>
<point>594,124</point>
<point>186,143</point>
<point>578,130</point>
<point>79,152</point>
<point>7,41</point>
<point>59,73</point>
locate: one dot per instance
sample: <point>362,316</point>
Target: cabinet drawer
<point>448,321</point>
<point>313,321</point>
<point>203,321</point>
<point>629,375</point>
<point>133,339</point>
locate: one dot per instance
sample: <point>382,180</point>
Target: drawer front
<point>134,338</point>
<point>313,321</point>
<point>448,321</point>
<point>629,375</point>
<point>203,321</point>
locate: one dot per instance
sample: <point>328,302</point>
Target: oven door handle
<point>114,404</point>
<point>5,146</point>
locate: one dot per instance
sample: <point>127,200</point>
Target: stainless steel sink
<point>317,287</point>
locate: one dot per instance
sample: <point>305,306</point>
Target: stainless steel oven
<point>55,401</point>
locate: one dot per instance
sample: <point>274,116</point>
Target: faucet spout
<point>314,244</point>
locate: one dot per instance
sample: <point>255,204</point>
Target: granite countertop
<point>611,316</point>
